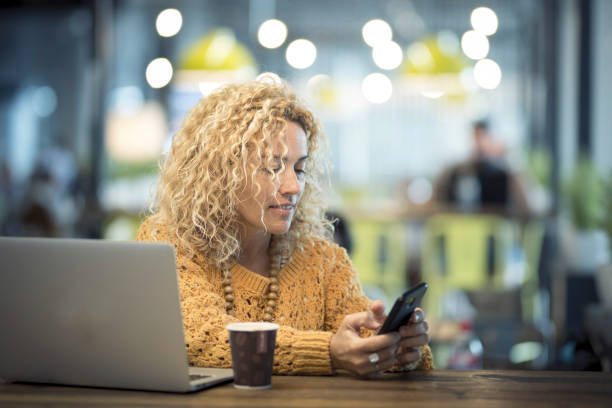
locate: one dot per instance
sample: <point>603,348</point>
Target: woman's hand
<point>414,335</point>
<point>364,356</point>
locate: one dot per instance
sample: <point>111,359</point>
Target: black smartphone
<point>403,308</point>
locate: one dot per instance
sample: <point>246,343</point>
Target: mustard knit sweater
<point>317,288</point>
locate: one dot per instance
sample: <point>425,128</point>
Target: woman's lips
<point>283,210</point>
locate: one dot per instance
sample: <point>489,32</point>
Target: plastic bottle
<point>466,353</point>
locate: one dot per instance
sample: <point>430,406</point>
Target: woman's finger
<point>415,341</point>
<point>380,355</point>
<point>409,355</point>
<point>377,310</point>
<point>417,316</point>
<point>375,343</point>
<point>378,362</point>
<point>413,329</point>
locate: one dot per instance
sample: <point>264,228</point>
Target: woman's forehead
<point>291,142</point>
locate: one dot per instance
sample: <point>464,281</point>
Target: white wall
<point>602,85</point>
<point>568,84</point>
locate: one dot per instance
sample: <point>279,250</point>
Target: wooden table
<point>438,388</point>
<point>598,324</point>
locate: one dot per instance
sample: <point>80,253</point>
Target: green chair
<point>464,251</point>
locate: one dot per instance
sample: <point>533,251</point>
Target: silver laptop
<point>94,313</point>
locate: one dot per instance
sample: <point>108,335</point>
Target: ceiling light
<point>301,54</point>
<point>484,20</point>
<point>377,88</point>
<point>487,74</point>
<point>169,22</point>
<point>474,45</point>
<point>159,73</point>
<point>376,31</point>
<point>387,55</point>
<point>272,33</point>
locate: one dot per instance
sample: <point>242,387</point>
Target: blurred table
<point>598,324</point>
<point>438,388</point>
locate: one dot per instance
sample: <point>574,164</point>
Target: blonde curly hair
<point>222,142</point>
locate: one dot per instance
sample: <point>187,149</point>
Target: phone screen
<point>403,308</point>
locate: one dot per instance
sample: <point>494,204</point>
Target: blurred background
<point>470,144</point>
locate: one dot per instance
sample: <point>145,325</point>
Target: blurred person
<point>485,181</point>
<point>36,217</point>
<point>8,220</point>
<point>48,206</point>
<point>239,200</point>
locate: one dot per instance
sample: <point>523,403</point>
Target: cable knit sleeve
<point>345,296</point>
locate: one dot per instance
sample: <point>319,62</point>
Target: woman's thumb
<point>378,311</point>
<point>363,319</point>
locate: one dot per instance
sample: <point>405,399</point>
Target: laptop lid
<point>93,313</point>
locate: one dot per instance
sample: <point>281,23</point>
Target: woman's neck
<point>254,253</point>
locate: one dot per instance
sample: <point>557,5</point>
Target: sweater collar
<point>247,279</point>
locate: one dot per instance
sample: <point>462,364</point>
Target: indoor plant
<point>604,274</point>
<point>584,193</point>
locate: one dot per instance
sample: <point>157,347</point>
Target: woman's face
<point>272,208</point>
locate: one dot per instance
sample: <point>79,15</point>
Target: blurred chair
<point>379,255</point>
<point>494,260</point>
<point>464,251</point>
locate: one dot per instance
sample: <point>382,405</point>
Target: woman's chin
<point>279,229</point>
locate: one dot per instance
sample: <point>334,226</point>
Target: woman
<point>239,200</point>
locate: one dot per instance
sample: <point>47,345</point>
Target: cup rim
<point>252,326</point>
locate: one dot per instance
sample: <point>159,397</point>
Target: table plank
<point>438,388</point>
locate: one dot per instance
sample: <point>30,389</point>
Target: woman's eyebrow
<point>277,158</point>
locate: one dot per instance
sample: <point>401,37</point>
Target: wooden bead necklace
<point>278,256</point>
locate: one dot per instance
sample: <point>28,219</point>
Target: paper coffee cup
<point>252,345</point>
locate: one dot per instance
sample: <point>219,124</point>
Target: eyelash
<point>299,172</point>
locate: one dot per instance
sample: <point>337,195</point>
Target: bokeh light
<point>322,90</point>
<point>484,20</point>
<point>487,74</point>
<point>272,33</point>
<point>474,45</point>
<point>301,54</point>
<point>420,191</point>
<point>376,32</point>
<point>44,101</point>
<point>377,88</point>
<point>169,22</point>
<point>387,55</point>
<point>159,73</point>
<point>420,56</point>
<point>269,78</point>
<point>448,43</point>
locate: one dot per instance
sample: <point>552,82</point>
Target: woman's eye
<point>270,171</point>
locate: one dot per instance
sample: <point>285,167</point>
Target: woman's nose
<point>289,182</point>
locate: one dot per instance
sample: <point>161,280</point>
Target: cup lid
<point>252,326</point>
